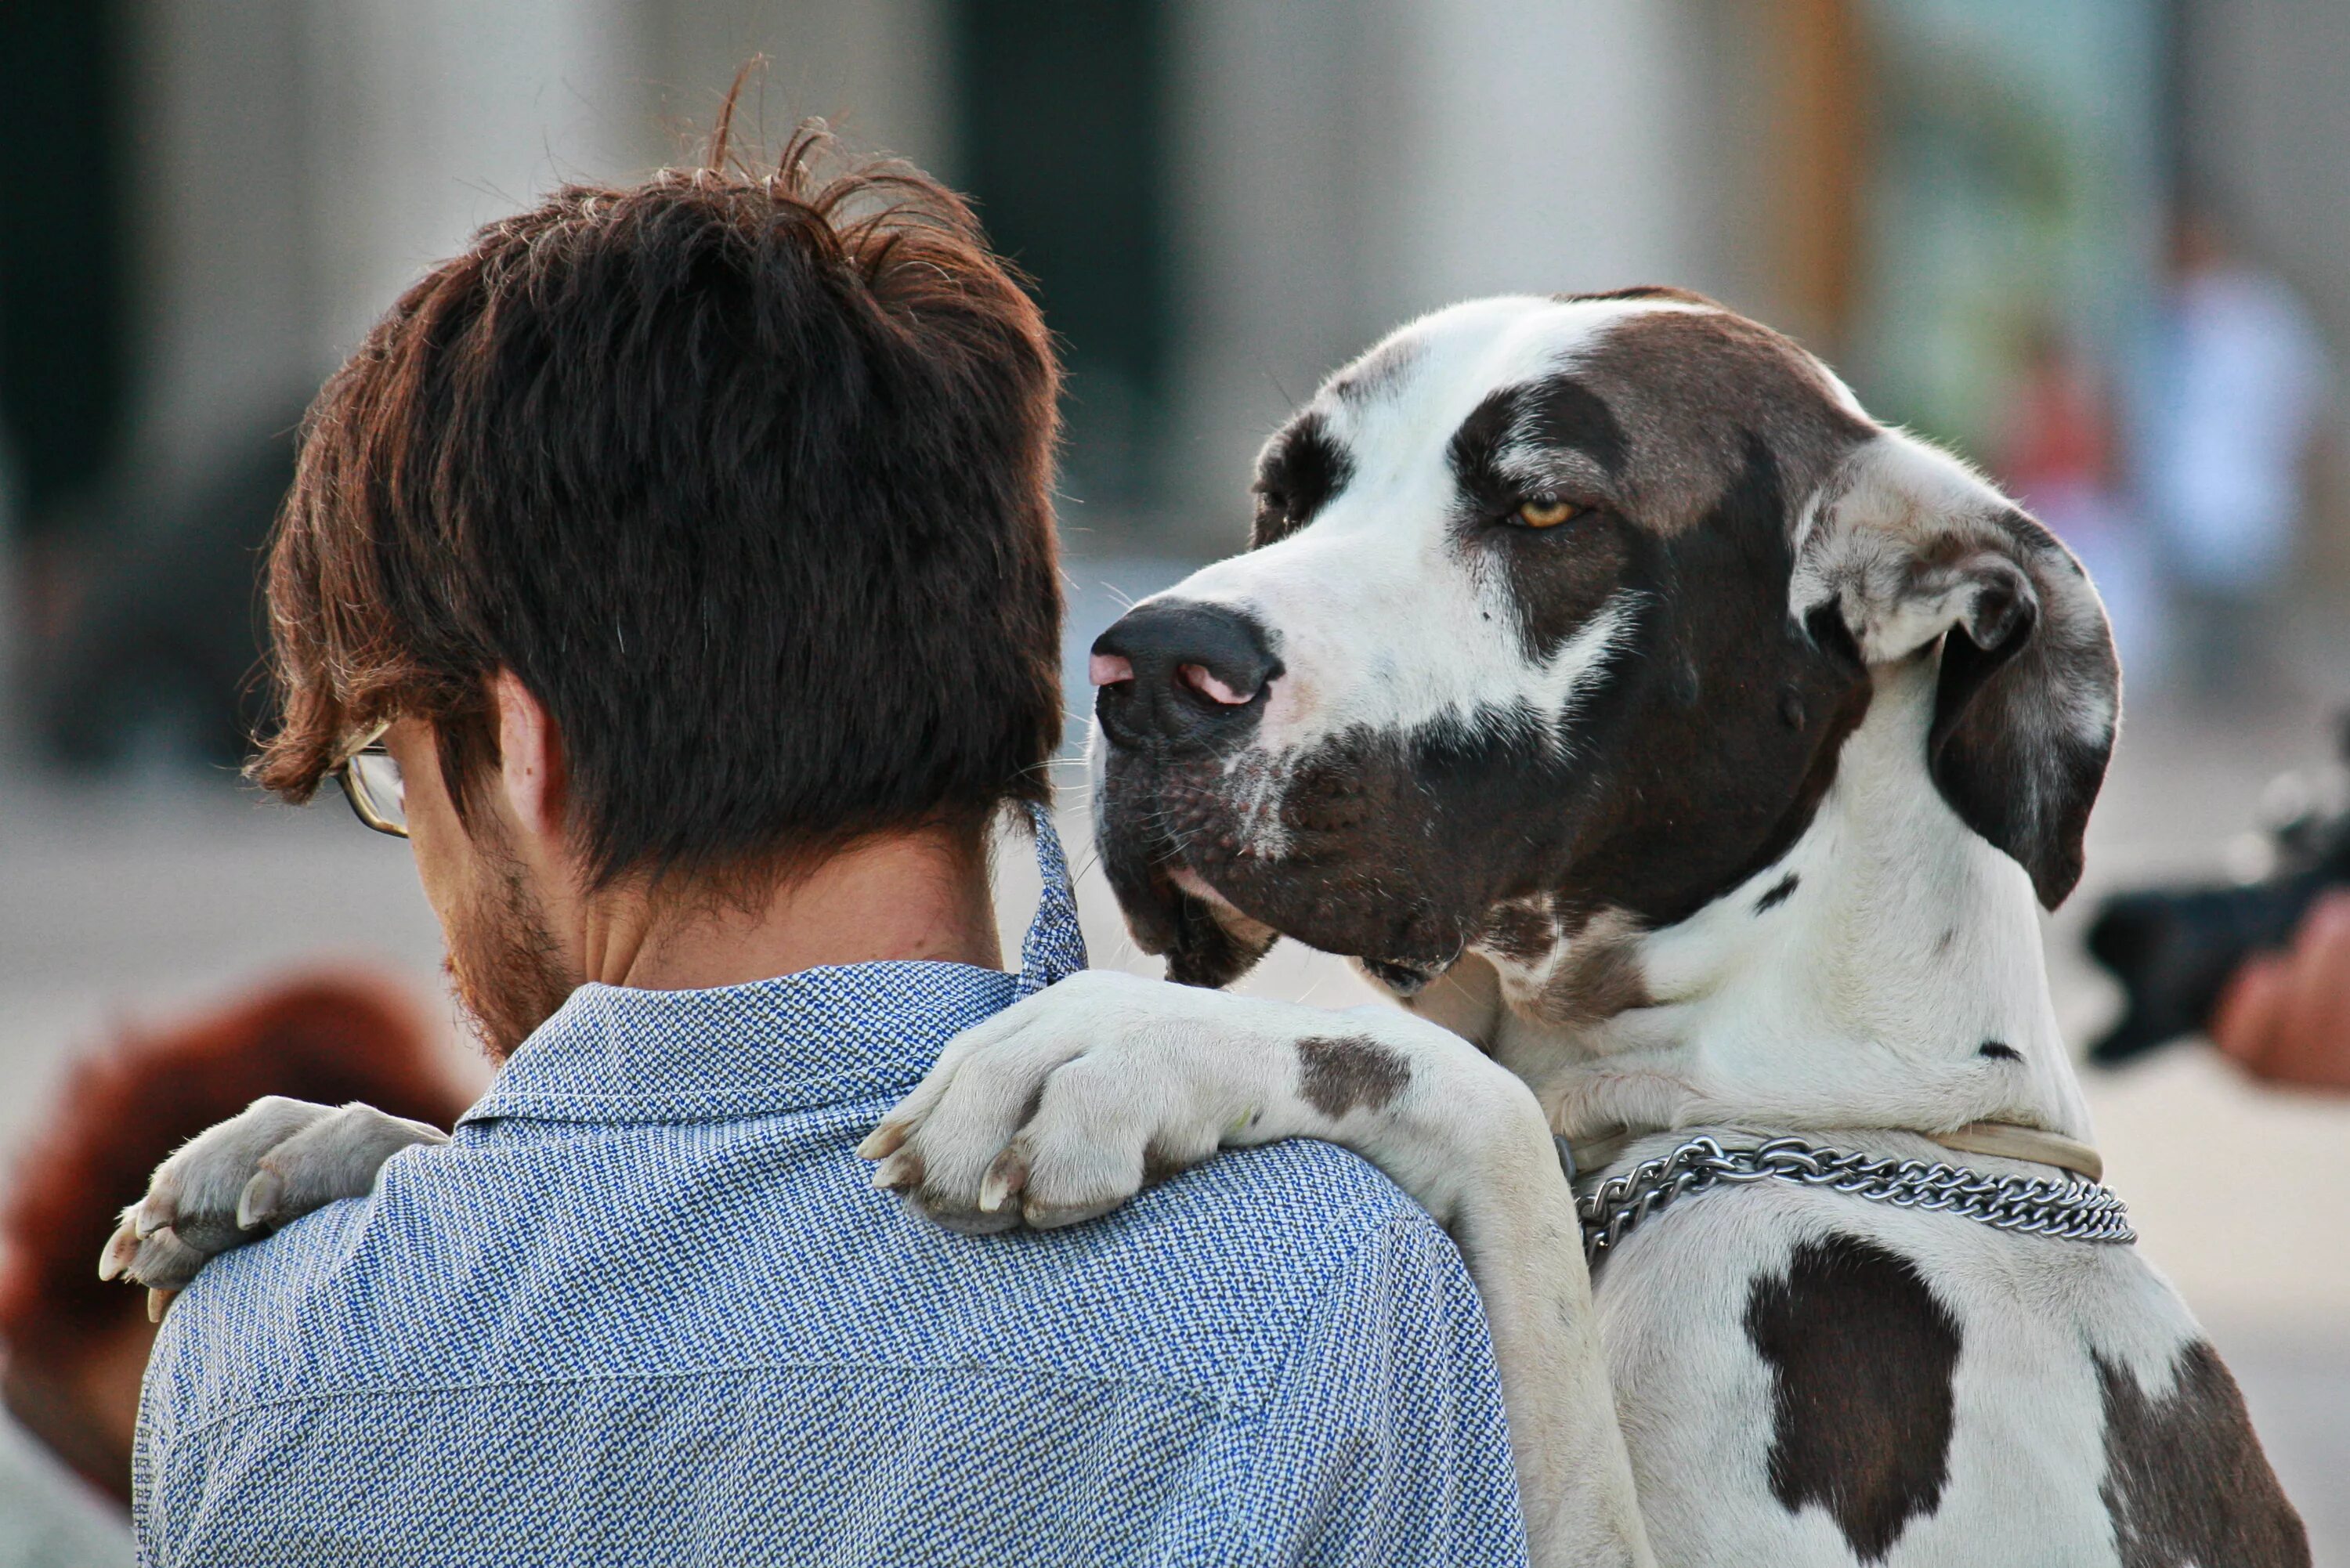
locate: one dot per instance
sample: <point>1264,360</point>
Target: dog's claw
<point>259,1199</point>
<point>158,1304</point>
<point>1004,1178</point>
<point>883,1140</point>
<point>897,1173</point>
<point>121,1248</point>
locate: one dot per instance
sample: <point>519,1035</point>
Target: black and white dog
<point>1693,748</point>
<point>1681,745</point>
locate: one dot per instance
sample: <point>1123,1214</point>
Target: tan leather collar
<point>2002,1141</point>
<point>2007,1140</point>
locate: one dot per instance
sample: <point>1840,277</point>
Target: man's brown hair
<point>744,474</point>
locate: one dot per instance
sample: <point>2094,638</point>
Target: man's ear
<point>530,758</point>
<point>1910,547</point>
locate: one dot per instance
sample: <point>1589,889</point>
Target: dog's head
<point>1557,614</point>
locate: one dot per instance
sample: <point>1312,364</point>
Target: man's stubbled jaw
<point>503,964</point>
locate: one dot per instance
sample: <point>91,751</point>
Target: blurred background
<point>2100,246</point>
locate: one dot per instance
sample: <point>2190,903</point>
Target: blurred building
<point>204,206</point>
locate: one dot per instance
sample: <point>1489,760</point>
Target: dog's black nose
<point>1172,670</point>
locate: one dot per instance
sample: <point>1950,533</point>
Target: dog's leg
<point>270,1164</point>
<point>1063,1106</point>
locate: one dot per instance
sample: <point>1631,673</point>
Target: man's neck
<point>922,895</point>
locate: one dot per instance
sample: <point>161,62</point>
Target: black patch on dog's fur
<point>1861,1356</point>
<point>1598,978</point>
<point>1561,414</point>
<point>2186,1482</point>
<point>1520,933</point>
<point>1339,1074</point>
<point>1704,788</point>
<point>1998,1050</point>
<point>2006,751</point>
<point>1299,473</point>
<point>1560,577</point>
<point>1780,891</point>
<point>1694,389</point>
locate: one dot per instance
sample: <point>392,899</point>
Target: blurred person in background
<point>72,1348</point>
<point>2240,382</point>
<point>2285,1016</point>
<point>2057,455</point>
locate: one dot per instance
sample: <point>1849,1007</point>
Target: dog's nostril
<point>1202,680</point>
<point>1177,671</point>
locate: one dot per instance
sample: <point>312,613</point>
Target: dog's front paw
<point>275,1161</point>
<point>1064,1106</point>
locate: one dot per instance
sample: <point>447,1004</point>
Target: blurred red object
<point>75,1344</point>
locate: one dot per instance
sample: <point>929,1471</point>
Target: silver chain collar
<point>2066,1210</point>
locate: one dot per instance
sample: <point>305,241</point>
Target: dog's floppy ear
<point>1907,546</point>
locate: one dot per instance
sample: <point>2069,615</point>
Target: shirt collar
<point>822,1036</point>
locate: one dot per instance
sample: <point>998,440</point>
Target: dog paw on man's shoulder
<point>1066,1104</point>
<point>233,1183</point>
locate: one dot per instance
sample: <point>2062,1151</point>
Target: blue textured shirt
<point>646,1306</point>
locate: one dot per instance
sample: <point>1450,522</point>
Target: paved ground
<point>135,900</point>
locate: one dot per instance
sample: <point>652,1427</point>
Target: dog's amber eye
<point>1548,511</point>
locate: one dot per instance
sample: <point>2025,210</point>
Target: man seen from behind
<point>675,570</point>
